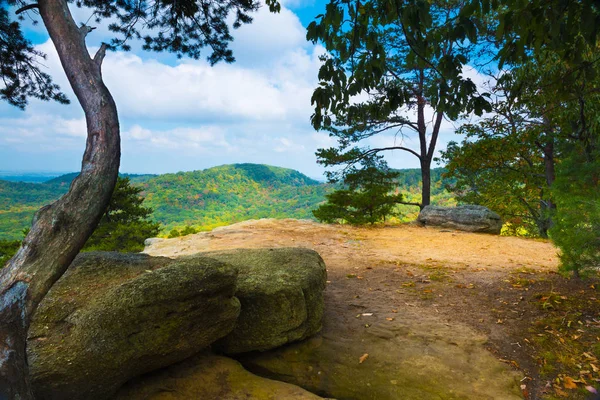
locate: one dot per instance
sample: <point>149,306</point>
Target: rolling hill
<point>204,199</point>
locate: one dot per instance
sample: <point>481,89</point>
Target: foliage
<point>563,27</point>
<point>365,197</point>
<point>231,193</point>
<point>401,57</point>
<point>506,160</point>
<point>125,224</point>
<point>20,64</point>
<point>577,223</point>
<point>188,230</point>
<point>8,248</point>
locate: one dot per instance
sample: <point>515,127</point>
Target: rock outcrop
<point>209,377</point>
<point>115,316</point>
<point>470,218</point>
<point>281,292</point>
<point>431,361</point>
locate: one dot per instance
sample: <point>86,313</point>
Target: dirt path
<point>487,284</point>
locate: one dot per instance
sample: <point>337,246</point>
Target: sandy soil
<point>486,282</point>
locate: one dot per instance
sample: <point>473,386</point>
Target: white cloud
<point>178,115</point>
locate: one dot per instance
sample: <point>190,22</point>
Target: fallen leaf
<point>363,358</point>
<point>367,314</point>
<point>394,311</point>
<point>390,319</point>
<point>569,383</point>
<point>595,368</point>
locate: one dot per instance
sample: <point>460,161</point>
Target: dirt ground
<point>538,322</point>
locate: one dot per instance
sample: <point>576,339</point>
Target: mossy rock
<point>115,316</point>
<point>281,292</point>
<point>209,377</point>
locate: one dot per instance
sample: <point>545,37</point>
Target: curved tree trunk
<point>61,229</point>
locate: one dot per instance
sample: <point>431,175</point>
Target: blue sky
<point>182,115</point>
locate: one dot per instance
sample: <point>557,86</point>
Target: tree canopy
<point>390,64</point>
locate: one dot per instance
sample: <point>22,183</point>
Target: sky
<point>184,115</point>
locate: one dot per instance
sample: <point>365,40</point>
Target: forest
<point>209,198</point>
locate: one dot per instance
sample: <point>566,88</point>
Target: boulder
<point>281,292</point>
<point>209,377</point>
<point>470,218</point>
<point>115,316</point>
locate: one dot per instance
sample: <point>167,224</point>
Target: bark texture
<point>61,229</point>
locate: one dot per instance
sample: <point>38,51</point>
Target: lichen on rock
<point>115,316</point>
<point>281,292</point>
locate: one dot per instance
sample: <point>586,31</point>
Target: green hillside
<point>208,198</point>
<point>231,193</point>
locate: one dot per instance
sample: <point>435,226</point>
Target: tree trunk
<point>61,229</point>
<point>547,205</point>
<point>425,182</point>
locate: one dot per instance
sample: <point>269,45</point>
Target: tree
<point>61,229</point>
<point>404,59</point>
<point>559,89</point>
<point>506,160</point>
<point>365,197</point>
<point>125,224</point>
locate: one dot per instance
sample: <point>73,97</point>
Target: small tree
<point>366,197</point>
<point>125,224</point>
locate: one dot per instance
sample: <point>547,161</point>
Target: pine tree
<point>125,224</point>
<point>365,197</point>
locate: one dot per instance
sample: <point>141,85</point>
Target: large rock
<point>470,218</point>
<point>281,292</point>
<point>113,316</point>
<point>209,377</point>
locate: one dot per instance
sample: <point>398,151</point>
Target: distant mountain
<point>205,199</point>
<point>30,177</point>
<point>231,193</point>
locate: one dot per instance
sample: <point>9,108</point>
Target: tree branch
<point>26,8</point>
<point>84,30</point>
<point>99,57</point>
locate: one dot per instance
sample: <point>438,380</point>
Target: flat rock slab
<point>469,218</point>
<point>422,359</point>
<point>209,377</point>
<point>115,316</point>
<point>281,293</point>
